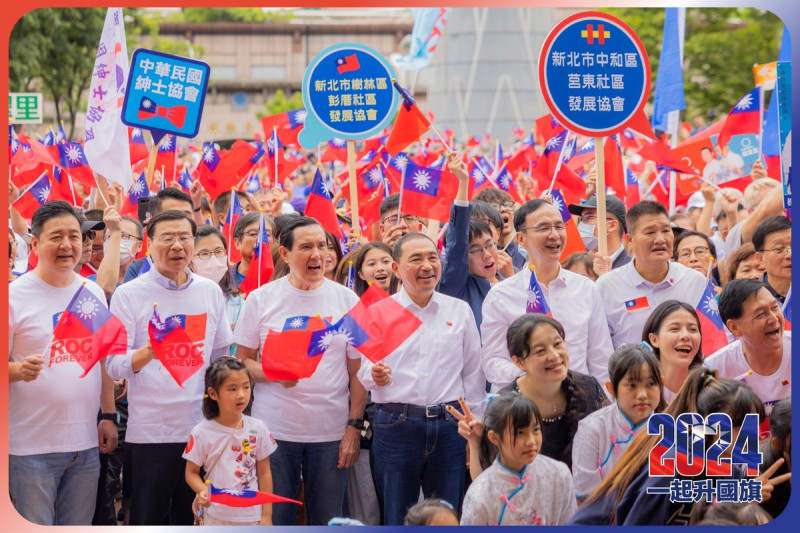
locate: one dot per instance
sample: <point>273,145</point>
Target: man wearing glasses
<point>506,206</point>
<point>772,240</point>
<point>161,413</point>
<point>89,229</point>
<point>122,240</point>
<point>573,300</point>
<point>392,226</point>
<point>615,227</point>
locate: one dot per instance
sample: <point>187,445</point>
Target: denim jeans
<point>323,483</point>
<point>55,489</point>
<point>409,452</point>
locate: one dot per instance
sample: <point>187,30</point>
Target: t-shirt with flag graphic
<point>173,341</point>
<point>293,353</point>
<point>637,304</point>
<point>536,302</point>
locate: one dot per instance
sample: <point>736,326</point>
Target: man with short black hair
<point>391,227</point>
<point>161,412</point>
<point>630,293</point>
<point>772,241</point>
<point>506,206</point>
<point>53,430</point>
<point>763,348</point>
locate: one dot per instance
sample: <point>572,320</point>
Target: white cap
<point>696,200</point>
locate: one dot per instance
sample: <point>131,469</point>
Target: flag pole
<point>400,200</point>
<point>599,155</point>
<point>351,168</point>
<point>275,147</point>
<point>441,138</point>
<point>151,163</point>
<point>561,161</point>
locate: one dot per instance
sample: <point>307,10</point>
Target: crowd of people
<point>522,398</point>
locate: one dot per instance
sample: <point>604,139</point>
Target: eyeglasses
<point>125,237</point>
<point>778,250</point>
<point>546,228</point>
<point>393,220</point>
<point>504,205</point>
<point>699,252</point>
<point>205,254</point>
<point>89,235</point>
<point>591,218</point>
<point>169,239</point>
<point>478,250</point>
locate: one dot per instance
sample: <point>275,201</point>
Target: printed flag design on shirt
<point>244,498</point>
<point>292,353</point>
<point>261,266</point>
<point>536,302</point>
<point>174,341</point>
<point>87,331</point>
<point>377,325</point>
<point>636,304</point>
<point>711,325</point>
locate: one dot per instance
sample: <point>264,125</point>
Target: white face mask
<point>212,268</point>
<point>587,235</point>
<point>125,251</point>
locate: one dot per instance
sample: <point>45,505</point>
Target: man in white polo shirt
<point>630,293</point>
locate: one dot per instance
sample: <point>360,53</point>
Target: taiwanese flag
<point>73,161</point>
<point>61,135</point>
<point>88,321</point>
<point>571,185</point>
<point>34,197</point>
<point>668,159</point>
<point>293,353</point>
<point>660,188</point>
<point>335,151</point>
<point>235,212</point>
<point>61,188</point>
<point>377,325</point>
<point>347,64</point>
<point>261,267</point>
<point>711,326</point>
<point>288,124</point>
<point>236,163</point>
<point>744,118</point>
<point>787,311</point>
<point>138,190</point>
<point>505,182</point>
<point>548,161</point>
<point>478,176</point>
<point>375,143</point>
<point>693,460</point>
<point>519,162</point>
<point>244,498</point>
<point>138,147</point>
<point>472,142</point>
<point>275,159</point>
<point>546,127</point>
<point>574,242</point>
<point>165,158</point>
<point>632,195</point>
<point>409,125</point>
<point>253,183</point>
<point>185,180</point>
<point>173,341</point>
<point>320,206</point>
<point>637,304</point>
<point>536,302</point>
<point>371,211</point>
<point>428,193</point>
<point>627,139</point>
<point>518,132</point>
<point>614,171</point>
<point>205,171</point>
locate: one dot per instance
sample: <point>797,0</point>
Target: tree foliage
<point>280,103</point>
<point>721,46</point>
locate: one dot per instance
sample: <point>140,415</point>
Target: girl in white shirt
<point>233,448</point>
<point>521,487</point>
<point>635,383</point>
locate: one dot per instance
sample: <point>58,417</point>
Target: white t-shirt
<point>232,460</point>
<point>316,409</point>
<point>56,412</point>
<point>159,410</point>
<point>730,363</point>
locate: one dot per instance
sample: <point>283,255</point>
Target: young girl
<point>623,499</point>
<point>673,330</point>
<point>232,448</point>
<point>431,512</point>
<point>520,487</point>
<point>779,447</point>
<point>635,383</point>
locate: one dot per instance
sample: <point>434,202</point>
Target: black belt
<point>428,411</point>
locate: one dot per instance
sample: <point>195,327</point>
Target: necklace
<point>551,420</point>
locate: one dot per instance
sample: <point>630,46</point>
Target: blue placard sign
<point>348,93</point>
<point>165,93</point>
<point>784,88</point>
<point>594,73</point>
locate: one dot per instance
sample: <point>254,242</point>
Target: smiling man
<point>772,240</point>
<point>753,315</point>
<point>415,440</point>
<point>573,299</point>
<point>161,413</point>
<point>631,292</point>
<point>316,420</point>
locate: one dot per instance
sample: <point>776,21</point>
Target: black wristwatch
<point>357,423</point>
<point>109,416</point>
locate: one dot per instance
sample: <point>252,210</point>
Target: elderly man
<point>317,420</point>
<point>53,431</point>
<point>415,440</point>
<point>162,413</point>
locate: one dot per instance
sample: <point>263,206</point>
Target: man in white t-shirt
<point>753,315</point>
<point>53,430</point>
<point>161,413</point>
<point>317,420</point>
